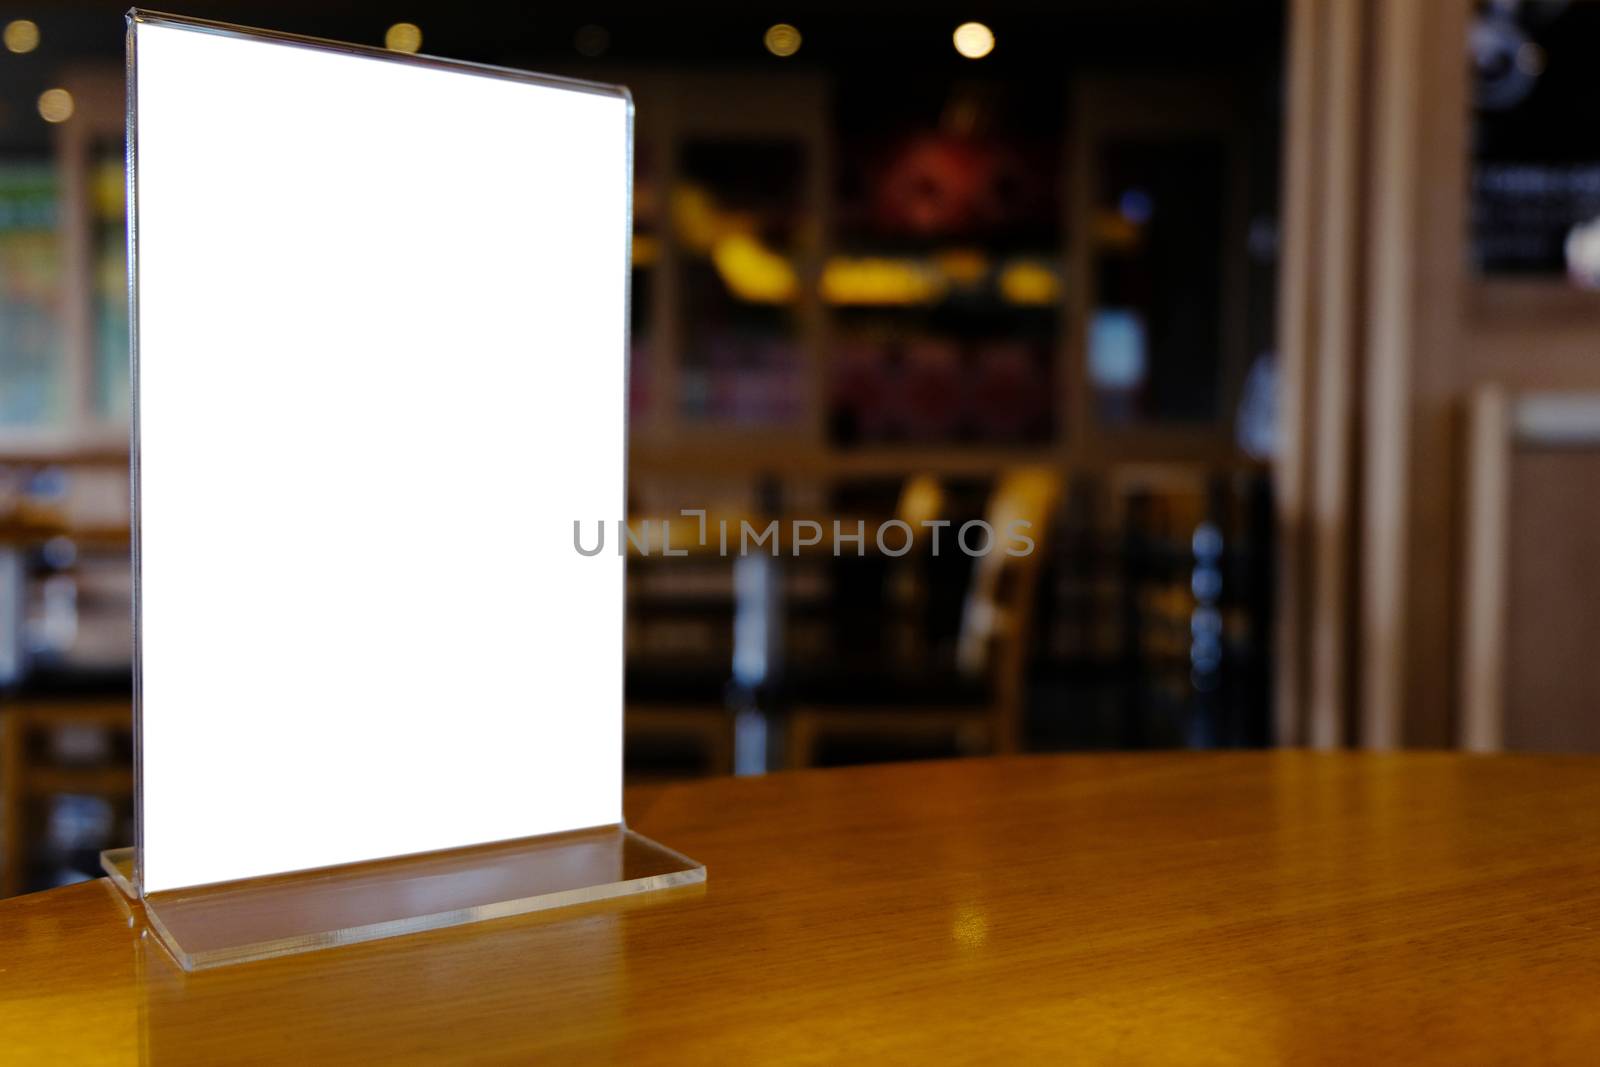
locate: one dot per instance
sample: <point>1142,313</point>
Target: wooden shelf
<point>1179,449</point>
<point>98,781</point>
<point>33,534</point>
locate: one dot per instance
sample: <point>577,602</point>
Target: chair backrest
<point>1530,593</point>
<point>998,614</point>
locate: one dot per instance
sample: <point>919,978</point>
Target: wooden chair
<point>676,697</point>
<point>25,780</point>
<point>1530,593</point>
<point>991,652</point>
<point>709,728</point>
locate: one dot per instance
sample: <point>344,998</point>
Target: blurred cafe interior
<point>1276,318</point>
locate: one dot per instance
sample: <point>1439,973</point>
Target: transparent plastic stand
<point>521,731</point>
<point>258,918</point>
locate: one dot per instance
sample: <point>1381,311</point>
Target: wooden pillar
<point>1416,273</point>
<point>1297,309</point>
<point>1336,360</point>
<point>1370,323</point>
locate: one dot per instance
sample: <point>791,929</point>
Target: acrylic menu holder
<point>282,906</point>
<point>258,918</point>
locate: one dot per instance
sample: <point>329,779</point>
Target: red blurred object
<point>938,184</point>
<point>1007,395</point>
<point>863,387</point>
<point>932,397</point>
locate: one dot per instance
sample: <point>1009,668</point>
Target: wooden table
<point>1278,908</point>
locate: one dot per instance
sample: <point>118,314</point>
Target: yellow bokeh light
<point>21,35</point>
<point>1112,229</point>
<point>695,218</point>
<point>964,266</point>
<point>782,39</point>
<point>1029,282</point>
<point>973,40</point>
<point>752,272</point>
<point>881,281</point>
<point>55,105</point>
<point>646,250</point>
<point>403,37</point>
<point>922,500</point>
<point>108,189</point>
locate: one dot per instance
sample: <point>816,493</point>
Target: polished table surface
<point>1196,908</point>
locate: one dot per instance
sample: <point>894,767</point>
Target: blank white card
<point>380,334</point>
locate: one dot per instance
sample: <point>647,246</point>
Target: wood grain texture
<point>1266,907</point>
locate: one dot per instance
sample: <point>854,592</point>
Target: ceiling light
<point>21,35</point>
<point>973,40</point>
<point>782,39</point>
<point>55,105</point>
<point>403,37</point>
<point>591,40</point>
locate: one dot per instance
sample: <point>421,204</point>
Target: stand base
<point>233,922</point>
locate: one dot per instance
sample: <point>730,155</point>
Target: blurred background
<point>1275,317</point>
